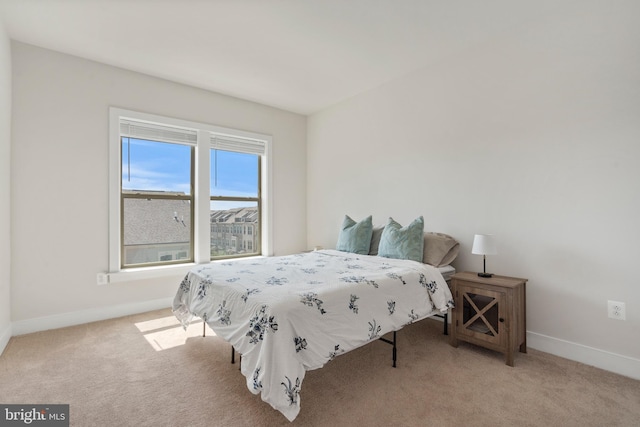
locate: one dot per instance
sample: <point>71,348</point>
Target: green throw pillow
<point>354,236</point>
<point>402,242</point>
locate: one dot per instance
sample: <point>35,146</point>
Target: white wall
<point>5,194</point>
<point>533,137</point>
<point>59,173</point>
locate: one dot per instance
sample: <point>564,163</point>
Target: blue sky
<point>161,166</point>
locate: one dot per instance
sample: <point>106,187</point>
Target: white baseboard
<point>28,326</point>
<point>5,336</point>
<point>617,363</point>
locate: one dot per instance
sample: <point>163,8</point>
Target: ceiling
<point>297,55</point>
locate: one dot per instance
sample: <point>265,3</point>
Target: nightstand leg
<point>509,357</point>
<point>523,347</point>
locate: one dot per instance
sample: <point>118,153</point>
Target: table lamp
<point>483,244</point>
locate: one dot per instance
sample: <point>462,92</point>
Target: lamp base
<point>485,274</point>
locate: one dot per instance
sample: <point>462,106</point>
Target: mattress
<point>447,271</point>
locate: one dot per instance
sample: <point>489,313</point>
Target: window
<point>184,192</point>
<point>156,193</point>
<point>234,185</point>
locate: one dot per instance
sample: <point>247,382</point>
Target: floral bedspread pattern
<point>290,314</point>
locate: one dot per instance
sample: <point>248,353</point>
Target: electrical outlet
<point>617,310</point>
<point>102,278</point>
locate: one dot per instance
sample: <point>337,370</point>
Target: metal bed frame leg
<point>233,350</point>
<point>393,343</point>
<point>446,323</point>
<point>394,349</point>
<point>445,317</point>
<point>233,356</point>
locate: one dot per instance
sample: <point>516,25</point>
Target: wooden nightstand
<point>490,312</point>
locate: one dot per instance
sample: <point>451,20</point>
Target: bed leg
<point>233,356</point>
<point>393,343</point>
<point>394,349</point>
<point>446,323</point>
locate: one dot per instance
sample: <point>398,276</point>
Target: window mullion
<point>202,206</point>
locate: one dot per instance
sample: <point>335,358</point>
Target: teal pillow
<point>402,242</point>
<point>354,236</point>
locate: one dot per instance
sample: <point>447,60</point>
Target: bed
<point>290,314</point>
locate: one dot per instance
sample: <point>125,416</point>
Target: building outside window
<point>233,240</point>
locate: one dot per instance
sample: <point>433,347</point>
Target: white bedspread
<point>290,314</point>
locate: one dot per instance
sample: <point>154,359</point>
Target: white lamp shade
<point>484,244</point>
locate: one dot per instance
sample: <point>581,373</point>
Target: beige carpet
<point>144,370</point>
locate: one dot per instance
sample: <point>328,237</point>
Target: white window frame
<point>202,226</point>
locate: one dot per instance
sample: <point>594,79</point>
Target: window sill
<point>142,273</point>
